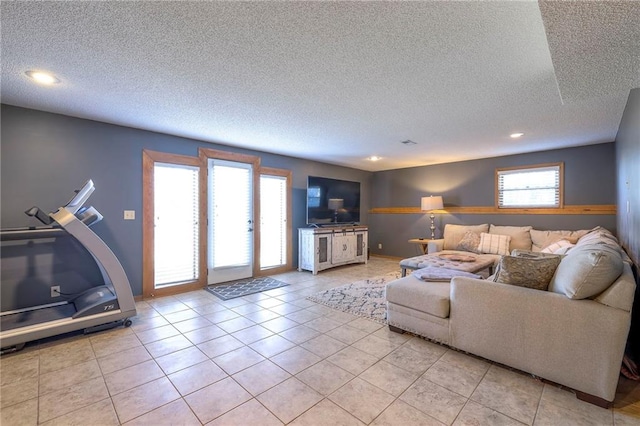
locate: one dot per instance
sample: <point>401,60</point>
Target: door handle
<point>250,230</point>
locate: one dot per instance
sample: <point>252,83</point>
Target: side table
<point>423,243</point>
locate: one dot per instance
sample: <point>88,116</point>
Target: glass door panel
<point>230,224</point>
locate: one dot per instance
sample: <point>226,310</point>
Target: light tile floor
<point>277,358</point>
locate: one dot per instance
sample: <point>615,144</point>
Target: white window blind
<point>530,187</point>
<point>273,221</point>
<point>230,206</point>
<point>176,229</point>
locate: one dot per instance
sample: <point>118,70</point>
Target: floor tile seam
<point>611,409</point>
<point>535,414</point>
<point>2,407</point>
<point>324,397</point>
<point>266,390</point>
<point>76,407</point>
<point>399,397</point>
<point>140,362</point>
<point>147,380</point>
<point>199,389</point>
<point>86,379</point>
<point>470,397</point>
<point>147,412</point>
<point>62,368</point>
<point>114,350</point>
<point>452,390</point>
<point>396,397</point>
<point>157,408</point>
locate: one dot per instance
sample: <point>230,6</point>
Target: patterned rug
<point>239,288</point>
<point>364,298</point>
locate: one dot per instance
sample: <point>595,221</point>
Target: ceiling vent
<point>408,142</point>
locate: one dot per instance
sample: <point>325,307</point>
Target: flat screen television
<point>332,201</point>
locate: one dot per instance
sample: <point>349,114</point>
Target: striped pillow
<point>558,245</point>
<point>494,244</point>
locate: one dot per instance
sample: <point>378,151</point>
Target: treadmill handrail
<point>82,195</point>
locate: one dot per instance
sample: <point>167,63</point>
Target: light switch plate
<point>129,215</point>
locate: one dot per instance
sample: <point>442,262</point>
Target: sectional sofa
<point>558,305</point>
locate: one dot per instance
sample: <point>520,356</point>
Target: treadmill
<point>98,308</point>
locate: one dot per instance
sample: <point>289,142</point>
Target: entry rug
<point>366,298</point>
<point>243,287</point>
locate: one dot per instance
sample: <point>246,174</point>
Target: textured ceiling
<point>335,81</point>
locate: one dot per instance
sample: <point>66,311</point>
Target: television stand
<point>327,247</point>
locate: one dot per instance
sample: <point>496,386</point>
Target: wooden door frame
<point>288,266</point>
<point>149,158</point>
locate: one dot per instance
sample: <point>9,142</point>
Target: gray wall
<point>589,178</point>
<point>628,161</point>
<point>46,156</point>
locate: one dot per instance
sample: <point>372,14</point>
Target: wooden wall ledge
<point>603,209</point>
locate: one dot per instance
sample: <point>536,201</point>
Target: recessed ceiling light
<point>42,77</point>
<point>374,158</point>
<point>516,135</point>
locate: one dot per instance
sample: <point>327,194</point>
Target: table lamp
<point>430,204</point>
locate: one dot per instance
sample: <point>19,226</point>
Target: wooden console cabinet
<point>323,248</point>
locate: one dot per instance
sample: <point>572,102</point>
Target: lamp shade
<point>335,203</point>
<point>431,203</point>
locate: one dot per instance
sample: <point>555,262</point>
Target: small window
<point>537,186</point>
<point>313,196</point>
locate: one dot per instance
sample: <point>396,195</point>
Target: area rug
<point>364,298</point>
<point>244,287</point>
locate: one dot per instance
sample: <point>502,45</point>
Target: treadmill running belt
<point>37,316</point>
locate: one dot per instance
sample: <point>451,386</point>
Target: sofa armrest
<point>435,246</point>
<point>577,343</point>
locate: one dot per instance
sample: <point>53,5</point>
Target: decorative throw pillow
<point>541,239</point>
<point>532,254</point>
<point>520,235</point>
<point>469,242</point>
<point>494,244</point>
<point>599,236</point>
<point>587,271</point>
<point>527,272</point>
<point>453,233</point>
<point>441,274</point>
<point>559,247</point>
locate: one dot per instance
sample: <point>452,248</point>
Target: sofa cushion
<point>494,243</point>
<point>542,239</point>
<point>530,272</point>
<point>587,271</point>
<point>520,235</point>
<point>454,233</point>
<point>410,292</point>
<point>600,236</point>
<point>620,294</point>
<point>469,242</point>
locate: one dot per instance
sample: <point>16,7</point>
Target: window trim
<point>149,158</point>
<point>560,205</point>
<point>288,174</point>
